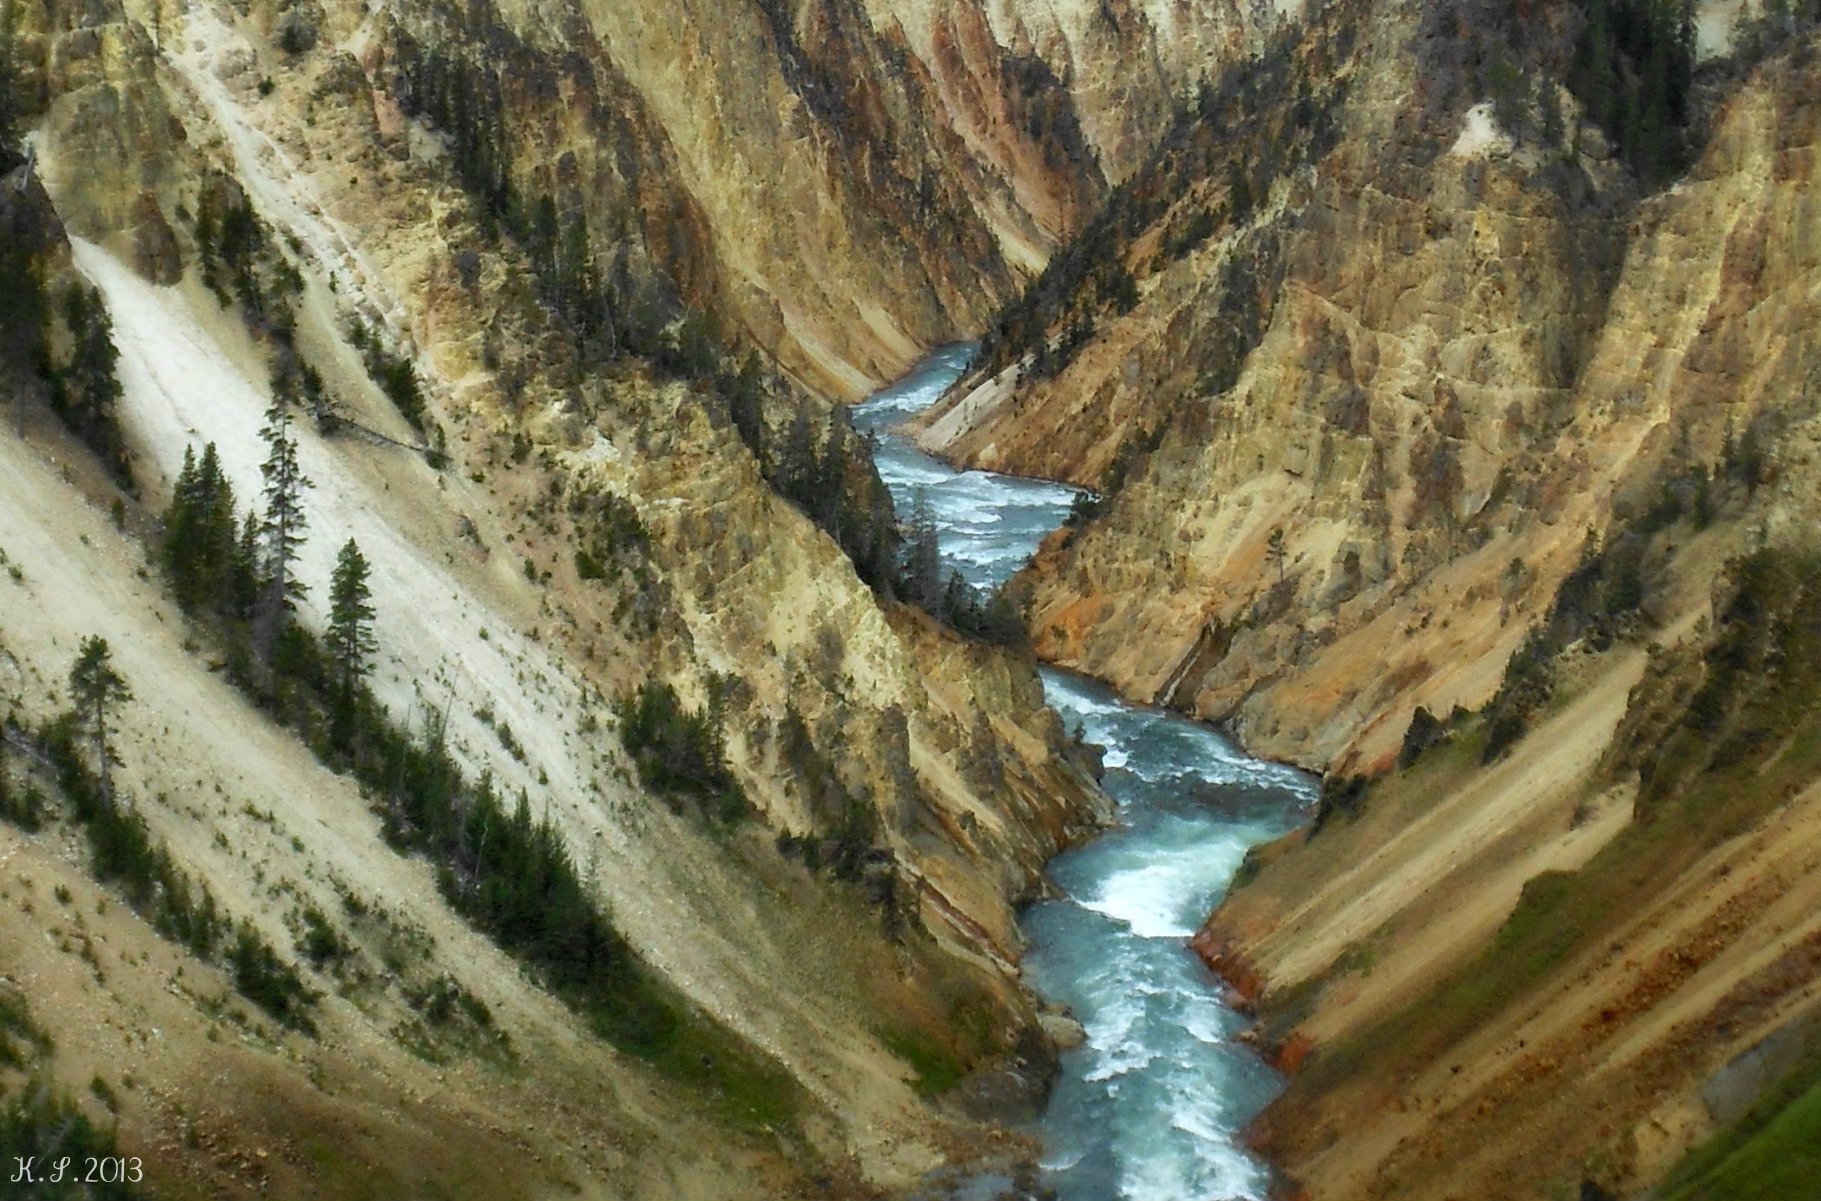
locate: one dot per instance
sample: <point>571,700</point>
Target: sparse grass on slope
<point>125,854</point>
<point>1723,740</point>
<point>1773,1153</point>
<point>40,1122</point>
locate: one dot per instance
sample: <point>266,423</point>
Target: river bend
<point>1150,1107</point>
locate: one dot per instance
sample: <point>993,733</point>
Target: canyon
<point>1418,419</point>
<point>1442,376</point>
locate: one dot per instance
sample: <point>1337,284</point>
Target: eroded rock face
<point>928,157</point>
<point>677,141</point>
<point>1415,342</point>
<point>1367,425</point>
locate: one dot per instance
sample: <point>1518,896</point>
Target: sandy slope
<point>246,809</point>
<point>449,637</point>
<point>1474,847</point>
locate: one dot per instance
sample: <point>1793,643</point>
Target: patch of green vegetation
<point>449,1017</point>
<point>269,982</point>
<point>743,1088</point>
<point>937,1066</point>
<point>679,752</point>
<point>321,943</point>
<point>1773,1153</point>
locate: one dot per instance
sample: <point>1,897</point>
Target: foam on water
<point>1150,1106</point>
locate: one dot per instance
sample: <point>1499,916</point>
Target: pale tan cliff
<point>1451,368</point>
<point>962,777</point>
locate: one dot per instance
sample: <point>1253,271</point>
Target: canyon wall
<point>1443,454</point>
<point>441,237</point>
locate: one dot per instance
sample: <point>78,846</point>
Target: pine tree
<point>1275,551</point>
<point>959,607</point>
<point>95,689</point>
<point>280,531</point>
<point>199,536</point>
<point>351,641</point>
<point>922,576</point>
<point>828,489</point>
<point>215,535</point>
<point>576,281</point>
<point>178,547</point>
<point>87,389</point>
<point>796,463</point>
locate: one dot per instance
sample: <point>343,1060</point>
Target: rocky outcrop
<point>1416,402</point>
<point>1386,327</point>
<point>413,186</point>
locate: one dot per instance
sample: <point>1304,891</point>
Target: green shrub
<point>679,753</point>
<point>1341,796</point>
<point>321,943</point>
<point>1423,732</point>
<point>270,983</point>
<point>22,1041</point>
<point>41,1122</point>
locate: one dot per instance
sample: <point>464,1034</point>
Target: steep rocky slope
<point>927,157</point>
<point>559,511</point>
<point>1412,396</point>
<point>1360,324</point>
<point>1390,328</point>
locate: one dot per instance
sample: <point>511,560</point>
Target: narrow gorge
<point>1154,1100</point>
<point>540,654</point>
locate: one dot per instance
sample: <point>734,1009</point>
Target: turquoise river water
<point>1150,1108</point>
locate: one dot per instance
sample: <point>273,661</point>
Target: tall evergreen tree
<point>85,392</point>
<point>828,474</point>
<point>95,690</point>
<point>280,531</point>
<point>199,548</point>
<point>922,575</point>
<point>796,465</point>
<point>179,521</point>
<point>351,642</point>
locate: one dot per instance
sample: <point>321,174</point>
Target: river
<point>1150,1107</point>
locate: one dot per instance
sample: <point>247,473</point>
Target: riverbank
<point>1151,1105</point>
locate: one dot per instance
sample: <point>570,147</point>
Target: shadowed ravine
<point>1150,1107</point>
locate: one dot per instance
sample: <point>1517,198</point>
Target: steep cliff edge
<point>1461,450</point>
<point>559,524</point>
<point>1356,370</point>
